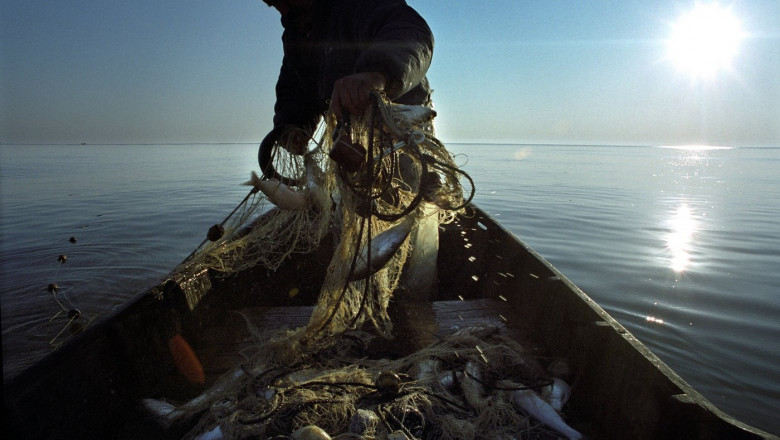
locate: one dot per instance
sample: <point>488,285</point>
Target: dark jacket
<point>346,37</point>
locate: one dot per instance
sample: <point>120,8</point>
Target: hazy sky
<point>110,71</point>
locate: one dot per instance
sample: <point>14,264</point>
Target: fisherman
<point>336,52</point>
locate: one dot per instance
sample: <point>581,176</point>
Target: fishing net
<point>374,183</point>
<point>457,388</point>
<point>243,241</point>
<point>370,182</point>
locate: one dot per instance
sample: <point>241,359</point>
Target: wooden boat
<point>90,388</point>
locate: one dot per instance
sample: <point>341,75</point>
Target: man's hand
<point>353,92</point>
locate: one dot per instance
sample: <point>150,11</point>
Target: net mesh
<point>406,174</point>
<point>459,387</point>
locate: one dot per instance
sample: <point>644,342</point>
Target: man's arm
<point>295,101</point>
<point>401,46</point>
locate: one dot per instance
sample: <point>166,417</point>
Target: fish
<point>413,115</point>
<point>447,379</point>
<point>397,435</point>
<point>403,118</point>
<point>159,410</point>
<point>212,434</point>
<point>167,415</point>
<point>285,197</point>
<point>314,176</point>
<point>426,370</point>
<point>278,193</point>
<point>473,390</point>
<point>557,393</point>
<point>382,249</point>
<point>363,421</point>
<point>537,408</point>
<point>310,432</point>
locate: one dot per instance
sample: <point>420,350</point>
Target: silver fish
<point>557,394</point>
<point>426,370</point>
<point>167,415</point>
<point>473,390</point>
<point>397,435</point>
<point>310,432</point>
<point>158,410</point>
<point>285,197</point>
<point>447,379</point>
<point>382,248</point>
<point>278,193</point>
<point>412,115</point>
<point>537,408</point>
<point>364,421</point>
<point>212,434</point>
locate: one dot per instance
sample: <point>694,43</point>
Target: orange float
<point>185,360</point>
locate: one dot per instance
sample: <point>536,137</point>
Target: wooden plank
<point>449,316</point>
<point>454,315</point>
<point>235,339</point>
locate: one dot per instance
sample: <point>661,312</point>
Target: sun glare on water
<point>705,40</point>
<point>696,147</point>
<point>680,237</point>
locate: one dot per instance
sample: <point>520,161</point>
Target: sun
<point>705,40</point>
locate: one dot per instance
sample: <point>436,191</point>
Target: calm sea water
<point>682,246</point>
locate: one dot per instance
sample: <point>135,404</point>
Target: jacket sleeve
<point>295,99</point>
<point>401,46</point>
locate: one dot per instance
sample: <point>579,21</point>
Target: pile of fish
<point>476,383</point>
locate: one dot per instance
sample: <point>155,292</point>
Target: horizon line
<point>530,144</point>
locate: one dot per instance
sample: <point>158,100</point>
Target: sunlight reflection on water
<point>522,153</point>
<point>680,239</point>
<point>696,147</point>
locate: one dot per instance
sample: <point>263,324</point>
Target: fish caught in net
<point>372,183</point>
<point>381,183</point>
<point>470,384</point>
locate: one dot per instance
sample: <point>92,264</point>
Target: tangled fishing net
<point>371,182</point>
<point>382,172</point>
<point>460,387</point>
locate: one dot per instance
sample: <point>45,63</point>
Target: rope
<point>242,203</point>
